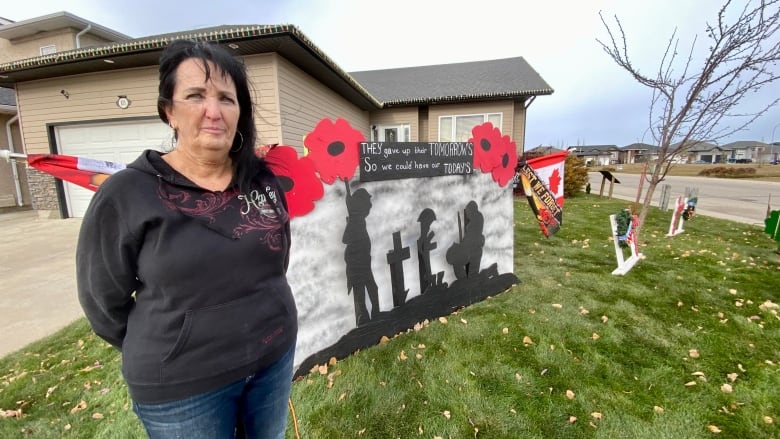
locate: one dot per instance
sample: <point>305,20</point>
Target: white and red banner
<point>542,182</point>
<point>85,172</point>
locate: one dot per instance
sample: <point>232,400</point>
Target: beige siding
<point>91,97</point>
<point>304,101</point>
<point>89,40</point>
<point>30,47</point>
<point>504,107</point>
<point>401,115</point>
<point>262,75</point>
<point>518,131</point>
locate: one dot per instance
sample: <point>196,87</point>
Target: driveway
<point>37,274</point>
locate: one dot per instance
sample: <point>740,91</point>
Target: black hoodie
<point>188,283</point>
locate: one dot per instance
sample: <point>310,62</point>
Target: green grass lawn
<point>686,345</point>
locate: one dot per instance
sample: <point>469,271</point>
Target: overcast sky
<point>595,101</point>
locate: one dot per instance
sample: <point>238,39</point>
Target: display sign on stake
<point>625,265</point>
<point>676,225</point>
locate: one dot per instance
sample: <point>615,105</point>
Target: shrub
<point>728,172</point>
<point>575,176</point>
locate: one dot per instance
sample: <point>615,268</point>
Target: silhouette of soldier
<point>357,255</point>
<point>424,246</point>
<point>466,255</point>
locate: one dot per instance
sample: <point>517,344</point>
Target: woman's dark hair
<point>242,152</point>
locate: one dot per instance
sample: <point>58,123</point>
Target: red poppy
<point>505,171</point>
<point>487,146</point>
<point>334,149</point>
<point>297,178</point>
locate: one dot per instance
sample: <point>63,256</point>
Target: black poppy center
<point>505,160</point>
<point>485,144</point>
<point>336,148</point>
<point>285,182</point>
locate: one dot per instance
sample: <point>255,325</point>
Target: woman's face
<point>203,113</point>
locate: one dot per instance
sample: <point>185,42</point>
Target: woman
<point>181,263</point>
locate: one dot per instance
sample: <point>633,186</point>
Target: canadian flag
<point>549,169</point>
<point>87,173</point>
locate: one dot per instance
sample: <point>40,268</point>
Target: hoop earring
<point>239,146</point>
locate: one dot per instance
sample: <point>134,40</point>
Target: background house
<point>95,96</point>
<point>597,155</point>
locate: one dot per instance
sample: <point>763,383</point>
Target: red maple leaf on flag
<point>555,180</point>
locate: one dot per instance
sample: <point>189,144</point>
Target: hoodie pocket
<point>227,336</point>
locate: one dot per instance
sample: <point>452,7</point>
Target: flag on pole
<point>542,181</point>
<point>87,173</point>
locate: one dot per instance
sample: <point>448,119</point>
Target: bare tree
<point>695,101</point>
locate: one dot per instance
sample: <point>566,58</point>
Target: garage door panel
<point>120,142</point>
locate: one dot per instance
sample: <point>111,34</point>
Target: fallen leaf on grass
<point>10,413</point>
<point>527,340</point>
<point>732,291</point>
<point>693,353</point>
<point>596,415</point>
<point>595,336</point>
<point>741,369</point>
<point>690,383</point>
<point>447,414</point>
<point>49,391</point>
<point>768,305</point>
<point>443,320</point>
<point>97,416</point>
<point>658,409</point>
<point>557,305</point>
<point>79,407</point>
<point>768,420</point>
<point>569,394</point>
<point>726,388</point>
<point>713,429</point>
<point>464,321</point>
<point>732,377</point>
<point>505,330</point>
<point>583,311</point>
<point>572,419</point>
<point>604,319</point>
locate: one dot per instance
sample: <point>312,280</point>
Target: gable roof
<point>640,147</point>
<point>56,21</point>
<point>744,144</point>
<point>480,80</point>
<point>287,40</point>
<point>593,149</point>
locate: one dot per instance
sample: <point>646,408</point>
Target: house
<point>597,155</point>
<point>95,95</point>
<point>638,153</point>
<point>540,151</point>
<point>734,152</point>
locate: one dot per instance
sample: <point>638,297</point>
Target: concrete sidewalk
<point>37,277</point>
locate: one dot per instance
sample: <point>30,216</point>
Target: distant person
<point>182,259</point>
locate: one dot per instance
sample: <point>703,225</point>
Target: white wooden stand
<point>676,225</point>
<point>625,265</point>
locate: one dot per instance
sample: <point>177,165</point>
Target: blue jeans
<point>255,407</point>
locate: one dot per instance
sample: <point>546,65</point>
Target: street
<point>742,200</point>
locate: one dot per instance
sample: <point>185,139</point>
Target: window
<point>458,128</point>
<point>390,133</point>
<point>48,50</point>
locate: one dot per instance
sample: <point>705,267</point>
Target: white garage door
<point>119,142</point>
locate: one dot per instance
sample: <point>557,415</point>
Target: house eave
<point>465,98</point>
<point>286,40</point>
